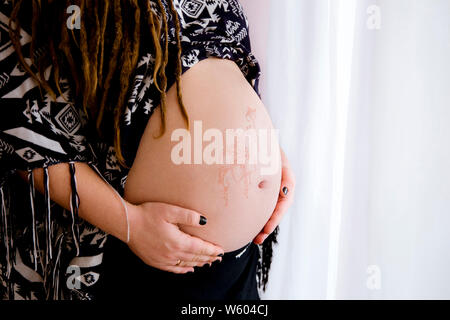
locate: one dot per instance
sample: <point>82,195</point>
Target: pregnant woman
<point>145,96</point>
<point>237,198</point>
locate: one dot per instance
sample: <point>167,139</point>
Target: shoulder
<point>214,28</point>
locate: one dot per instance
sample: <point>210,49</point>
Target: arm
<point>154,234</point>
<point>98,203</point>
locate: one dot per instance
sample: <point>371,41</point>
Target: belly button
<point>262,184</point>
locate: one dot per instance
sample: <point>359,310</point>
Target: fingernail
<point>285,191</point>
<point>202,220</point>
<point>220,255</point>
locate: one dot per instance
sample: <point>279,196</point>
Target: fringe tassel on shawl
<point>56,270</point>
<point>74,207</point>
<point>48,217</point>
<point>33,217</point>
<point>51,267</point>
<point>6,234</point>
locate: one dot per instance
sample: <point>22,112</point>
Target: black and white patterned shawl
<point>39,240</point>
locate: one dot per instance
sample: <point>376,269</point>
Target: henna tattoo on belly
<point>241,173</point>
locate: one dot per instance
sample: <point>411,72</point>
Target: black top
<point>39,240</point>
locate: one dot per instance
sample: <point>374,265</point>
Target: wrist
<point>134,214</point>
<point>124,212</point>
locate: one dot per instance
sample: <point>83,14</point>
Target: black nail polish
<point>220,255</point>
<point>202,220</point>
<point>285,191</point>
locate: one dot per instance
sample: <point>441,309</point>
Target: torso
<point>236,198</point>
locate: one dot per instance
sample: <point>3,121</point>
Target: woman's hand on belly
<point>157,240</point>
<point>285,200</point>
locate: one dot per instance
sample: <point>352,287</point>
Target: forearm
<point>155,238</point>
<point>99,205</point>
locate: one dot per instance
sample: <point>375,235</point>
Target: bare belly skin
<point>236,198</point>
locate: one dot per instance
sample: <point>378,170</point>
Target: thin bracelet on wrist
<point>125,208</point>
<point>126,215</point>
<point>120,197</point>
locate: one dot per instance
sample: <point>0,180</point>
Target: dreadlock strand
<point>55,63</point>
<point>34,27</point>
<point>15,36</point>
<point>137,33</point>
<point>85,56</point>
<point>129,63</point>
<point>179,68</point>
<point>124,83</point>
<point>64,46</point>
<point>156,33</point>
<point>72,31</point>
<point>162,71</point>
<point>94,46</point>
<point>102,41</point>
<point>112,61</point>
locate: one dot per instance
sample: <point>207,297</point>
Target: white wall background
<point>364,117</point>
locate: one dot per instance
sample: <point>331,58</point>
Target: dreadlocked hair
<point>94,77</point>
<point>265,262</point>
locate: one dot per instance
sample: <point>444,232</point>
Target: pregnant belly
<point>235,187</point>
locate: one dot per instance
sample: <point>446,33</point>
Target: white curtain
<point>360,90</point>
